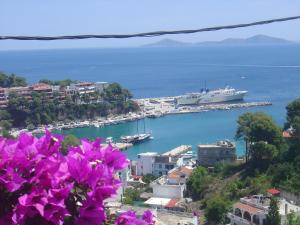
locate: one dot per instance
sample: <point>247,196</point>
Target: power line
<point>147,34</point>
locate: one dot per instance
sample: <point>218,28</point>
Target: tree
<point>5,124</point>
<point>273,217</point>
<point>243,130</point>
<point>293,111</point>
<point>131,195</point>
<point>12,80</point>
<point>197,183</point>
<point>262,136</point>
<point>293,219</point>
<point>69,141</point>
<point>263,151</point>
<point>148,178</point>
<point>216,210</point>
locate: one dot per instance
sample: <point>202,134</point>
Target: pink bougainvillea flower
<point>114,158</point>
<point>79,167</point>
<point>42,186</point>
<point>91,212</point>
<point>130,218</point>
<point>148,217</point>
<point>12,180</point>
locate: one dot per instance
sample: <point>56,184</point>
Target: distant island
<point>254,40</point>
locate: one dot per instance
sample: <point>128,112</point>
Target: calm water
<point>268,72</point>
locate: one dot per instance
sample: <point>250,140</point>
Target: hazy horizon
<point>70,17</point>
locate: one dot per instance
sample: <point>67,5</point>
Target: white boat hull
<point>211,97</point>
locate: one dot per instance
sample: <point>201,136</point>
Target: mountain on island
<point>167,43</point>
<point>254,40</point>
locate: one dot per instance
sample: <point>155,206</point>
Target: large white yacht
<point>211,96</point>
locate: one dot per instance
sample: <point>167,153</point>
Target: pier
<point>157,107</point>
<point>178,151</point>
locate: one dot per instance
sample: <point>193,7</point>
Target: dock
<point>157,107</point>
<point>178,150</point>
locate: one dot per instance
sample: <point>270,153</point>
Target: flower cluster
<point>39,185</point>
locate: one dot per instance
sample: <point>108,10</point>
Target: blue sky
<point>65,17</point>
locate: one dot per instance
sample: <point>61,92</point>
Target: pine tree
<point>273,217</point>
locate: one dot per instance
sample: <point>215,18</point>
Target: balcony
<point>238,220</point>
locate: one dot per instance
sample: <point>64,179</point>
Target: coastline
<point>150,107</point>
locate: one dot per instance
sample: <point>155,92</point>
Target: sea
<point>268,72</point>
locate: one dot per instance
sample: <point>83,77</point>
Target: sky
<point>70,17</point>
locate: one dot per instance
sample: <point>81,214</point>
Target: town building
<point>173,184</point>
<point>49,90</point>
<point>3,100</point>
<point>158,165</point>
<point>209,155</point>
<point>88,87</point>
<point>144,164</point>
<point>163,164</point>
<point>253,210</point>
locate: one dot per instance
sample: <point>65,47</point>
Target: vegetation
<point>148,178</point>
<point>293,219</point>
<point>216,210</point>
<point>39,109</point>
<point>11,80</point>
<point>62,83</point>
<point>197,183</point>
<point>272,161</point>
<point>131,195</point>
<point>69,141</point>
<point>273,217</point>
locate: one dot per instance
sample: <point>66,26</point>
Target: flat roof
<point>157,201</point>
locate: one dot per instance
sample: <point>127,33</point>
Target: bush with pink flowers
<point>40,185</point>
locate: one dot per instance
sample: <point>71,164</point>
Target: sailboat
<point>137,138</point>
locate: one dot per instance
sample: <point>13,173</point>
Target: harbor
<point>149,108</point>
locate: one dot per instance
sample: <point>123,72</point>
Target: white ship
<point>211,96</point>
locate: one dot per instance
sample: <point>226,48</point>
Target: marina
<point>150,108</point>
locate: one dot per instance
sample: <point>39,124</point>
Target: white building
<point>159,165</point>
<point>88,87</point>
<point>172,185</point>
<point>145,163</point>
<point>254,209</point>
<point>163,164</point>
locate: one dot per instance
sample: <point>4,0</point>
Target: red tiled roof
<point>252,210</point>
<point>136,177</point>
<point>273,191</point>
<point>286,134</point>
<point>172,203</point>
<point>180,171</point>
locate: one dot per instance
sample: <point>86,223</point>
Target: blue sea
<point>269,73</point>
